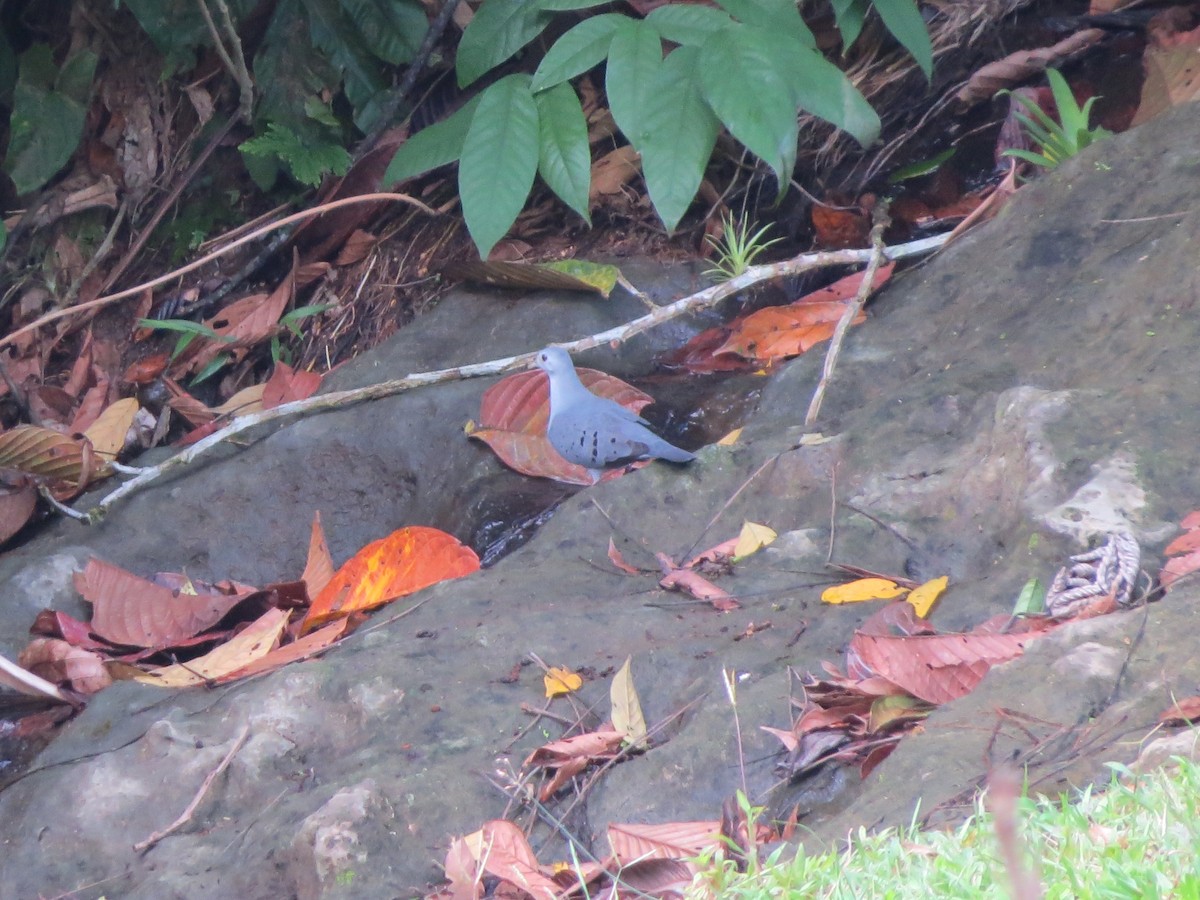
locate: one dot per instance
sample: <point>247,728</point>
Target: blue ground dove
<point>592,431</point>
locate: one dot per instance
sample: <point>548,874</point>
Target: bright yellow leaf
<point>730,439</point>
<point>926,595</point>
<point>254,641</point>
<point>863,589</point>
<point>561,681</point>
<point>752,539</point>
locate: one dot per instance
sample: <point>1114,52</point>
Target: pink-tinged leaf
<point>54,624</point>
<point>60,663</point>
<point>672,840</point>
<point>506,854</point>
<point>1185,543</point>
<point>254,641</point>
<point>1177,567</point>
<point>135,612</point>
<point>615,557</point>
<point>22,680</point>
<point>593,745</point>
<point>691,582</point>
<point>286,385</point>
<point>937,668</point>
<point>788,739</point>
<point>721,553</point>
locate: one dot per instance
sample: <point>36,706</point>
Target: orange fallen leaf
<point>403,562</point>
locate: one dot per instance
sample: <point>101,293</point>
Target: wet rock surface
<point>1027,390</point>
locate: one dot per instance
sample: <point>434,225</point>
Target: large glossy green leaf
<point>782,16</point>
<point>564,159</point>
<point>500,28</point>
<point>819,87</point>
<point>742,83</point>
<point>581,48</point>
<point>499,160</point>
<point>437,145</point>
<point>686,24</point>
<point>634,58</point>
<point>680,134</point>
<point>49,106</point>
<point>392,29</point>
<point>903,20</point>
<point>563,5</point>
<point>849,16</point>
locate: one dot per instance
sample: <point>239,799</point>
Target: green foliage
<point>291,321</point>
<point>1059,140</point>
<point>49,105</point>
<point>737,249</point>
<point>750,65</point>
<point>307,162</point>
<point>311,50</point>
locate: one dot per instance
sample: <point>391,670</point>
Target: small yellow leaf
<point>730,439</point>
<point>752,539</point>
<point>470,427</point>
<point>863,589</point>
<point>926,595</point>
<point>107,433</point>
<point>561,681</point>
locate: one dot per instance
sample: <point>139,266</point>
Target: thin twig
<point>878,254</point>
<point>10,339</point>
<point>619,334</point>
<point>186,815</point>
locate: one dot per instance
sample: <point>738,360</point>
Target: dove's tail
<point>662,450</point>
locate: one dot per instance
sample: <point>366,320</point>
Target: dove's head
<point>554,361</point>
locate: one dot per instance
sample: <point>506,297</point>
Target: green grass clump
<point>1138,838</point>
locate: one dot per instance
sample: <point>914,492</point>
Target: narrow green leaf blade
<point>581,48</point>
<point>634,58</point>
<point>431,147</point>
<point>680,133</point>
<point>688,25</point>
<point>500,28</point>
<point>849,16</point>
<point>499,160</point>
<point>903,19</point>
<point>564,159</point>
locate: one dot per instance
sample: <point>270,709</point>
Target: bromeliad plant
<point>736,249</point>
<point>1056,141</point>
<point>746,65</point>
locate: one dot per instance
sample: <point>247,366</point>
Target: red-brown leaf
<point>135,612</point>
<point>60,663</point>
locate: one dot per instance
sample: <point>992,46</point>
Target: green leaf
<point>566,5</point>
<point>744,87</point>
<point>46,122</point>
<point>822,89</point>
<point>391,29</point>
<point>634,59</point>
<point>1031,600</point>
<point>904,21</point>
<point>600,277</point>
<point>332,31</point>
<point>437,145</point>
<point>564,158</point>
<point>214,366</point>
<point>849,16</point>
<point>184,326</point>
<point>303,312</point>
<point>581,48</point>
<point>921,167</point>
<point>688,25</point>
<point>500,28</point>
<point>308,161</point>
<point>773,15</point>
<point>1031,157</point>
<point>499,160</point>
<point>680,133</point>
